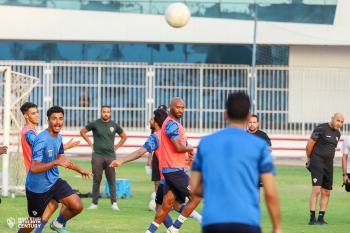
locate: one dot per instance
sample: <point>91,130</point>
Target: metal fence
<point>134,89</point>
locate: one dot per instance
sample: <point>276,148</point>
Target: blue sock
<point>168,221</point>
<point>61,219</point>
<point>179,221</point>
<point>41,226</point>
<point>181,208</point>
<point>153,227</point>
<point>19,231</point>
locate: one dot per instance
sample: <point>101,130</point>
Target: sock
<point>60,221</point>
<point>321,215</point>
<point>41,226</point>
<point>312,215</point>
<point>153,227</point>
<point>168,221</point>
<point>196,216</point>
<point>179,221</point>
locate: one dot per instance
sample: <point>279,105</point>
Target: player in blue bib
<point>43,183</point>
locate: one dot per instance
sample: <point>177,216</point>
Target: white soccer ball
<point>152,205</point>
<point>177,15</point>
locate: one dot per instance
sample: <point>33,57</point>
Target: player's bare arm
<point>71,144</point>
<point>131,157</point>
<point>196,183</point>
<point>38,167</point>
<point>272,200</point>
<point>83,134</point>
<point>181,148</point>
<point>122,140</point>
<point>309,147</point>
<point>344,164</point>
<point>74,167</point>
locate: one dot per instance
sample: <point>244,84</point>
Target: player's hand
<point>190,149</point>
<point>86,174</point>
<point>3,150</point>
<point>189,159</point>
<point>148,170</point>
<point>71,144</point>
<point>116,148</point>
<point>345,179</point>
<point>63,162</point>
<point>116,163</point>
<point>307,164</point>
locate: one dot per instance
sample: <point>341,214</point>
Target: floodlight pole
<point>252,83</point>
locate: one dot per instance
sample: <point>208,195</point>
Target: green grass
<point>293,184</point>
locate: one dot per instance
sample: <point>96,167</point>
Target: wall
<point>282,146</point>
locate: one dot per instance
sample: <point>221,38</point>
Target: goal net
<point>15,89</point>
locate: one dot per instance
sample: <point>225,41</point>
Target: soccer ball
<point>152,205</point>
<point>177,15</point>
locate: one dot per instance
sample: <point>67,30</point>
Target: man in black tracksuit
<point>320,150</point>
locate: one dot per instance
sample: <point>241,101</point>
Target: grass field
<point>293,184</point>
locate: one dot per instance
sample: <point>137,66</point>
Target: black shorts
<point>155,168</point>
<point>178,182</point>
<point>321,173</point>
<point>37,202</point>
<point>230,228</point>
<point>159,194</point>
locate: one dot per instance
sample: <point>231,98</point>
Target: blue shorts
<point>159,194</point>
<point>178,183</point>
<point>37,202</point>
<point>230,228</point>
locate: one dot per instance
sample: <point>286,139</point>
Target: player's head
<point>253,123</point>
<point>30,112</point>
<point>106,112</point>
<point>158,118</point>
<point>177,107</point>
<point>55,118</point>
<point>337,120</point>
<point>164,107</point>
<point>237,107</point>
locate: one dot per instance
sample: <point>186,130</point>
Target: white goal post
<point>16,90</point>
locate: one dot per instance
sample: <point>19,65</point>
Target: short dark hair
<point>159,116</point>
<point>256,116</point>
<point>26,106</point>
<point>164,107</point>
<point>237,106</point>
<point>106,106</point>
<point>54,109</point>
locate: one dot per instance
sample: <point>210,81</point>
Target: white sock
<point>196,216</point>
<point>57,224</point>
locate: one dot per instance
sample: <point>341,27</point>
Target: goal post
<point>16,90</point>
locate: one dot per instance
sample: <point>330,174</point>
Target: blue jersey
<point>45,148</point>
<point>231,162</point>
<point>151,143</point>
<point>172,130</point>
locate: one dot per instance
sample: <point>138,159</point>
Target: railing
<point>288,100</point>
<point>316,11</point>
